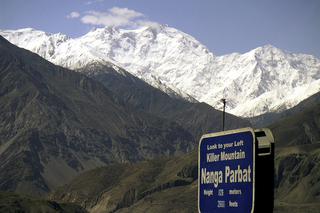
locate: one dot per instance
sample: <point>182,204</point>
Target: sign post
<point>227,171</point>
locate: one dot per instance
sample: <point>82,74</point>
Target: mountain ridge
<point>296,176</point>
<point>265,79</point>
<point>56,123</point>
<point>197,118</point>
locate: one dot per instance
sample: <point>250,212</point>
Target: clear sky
<point>224,26</point>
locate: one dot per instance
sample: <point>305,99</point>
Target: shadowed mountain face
<point>197,118</point>
<point>170,185</point>
<point>55,123</point>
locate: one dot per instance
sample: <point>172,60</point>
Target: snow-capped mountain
<point>265,79</point>
<point>81,52</point>
<point>262,80</point>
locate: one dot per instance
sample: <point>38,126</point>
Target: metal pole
<point>224,112</point>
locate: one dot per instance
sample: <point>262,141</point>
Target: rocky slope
<point>55,123</point>
<point>262,80</point>
<point>298,153</point>
<point>125,187</point>
<point>197,118</point>
<point>296,176</point>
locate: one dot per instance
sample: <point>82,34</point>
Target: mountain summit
<point>262,80</point>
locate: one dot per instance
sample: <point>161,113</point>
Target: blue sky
<point>224,26</point>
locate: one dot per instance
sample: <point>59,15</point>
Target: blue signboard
<point>227,171</point>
